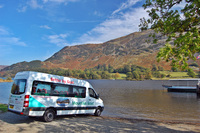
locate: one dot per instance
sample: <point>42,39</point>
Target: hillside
<point>2,66</point>
<point>130,49</point>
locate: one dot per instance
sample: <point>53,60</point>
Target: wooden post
<point>198,87</point>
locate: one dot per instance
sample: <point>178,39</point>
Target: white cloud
<point>115,27</point>
<point>125,5</point>
<point>1,6</point>
<point>60,1</point>
<point>96,13</point>
<point>123,21</point>
<point>44,4</point>
<point>6,38</point>
<point>22,9</point>
<point>3,31</point>
<point>34,4</point>
<point>11,41</point>
<point>59,40</point>
<point>45,27</point>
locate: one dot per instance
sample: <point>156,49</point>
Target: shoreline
<point>126,119</point>
<point>153,120</point>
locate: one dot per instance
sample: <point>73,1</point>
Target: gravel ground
<point>10,122</point>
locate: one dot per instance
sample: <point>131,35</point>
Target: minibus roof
<point>31,75</point>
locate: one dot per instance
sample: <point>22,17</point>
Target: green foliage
<point>128,72</point>
<point>8,78</point>
<point>160,68</point>
<point>191,73</point>
<point>116,75</point>
<point>3,107</point>
<point>138,73</point>
<point>154,68</point>
<point>129,76</point>
<point>157,74</point>
<point>181,27</point>
<point>174,69</point>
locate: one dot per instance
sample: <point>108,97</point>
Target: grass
<point>173,75</point>
<point>3,108</point>
<point>121,76</point>
<point>176,74</point>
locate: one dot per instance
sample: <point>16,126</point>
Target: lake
<point>5,88</point>
<point>139,100</point>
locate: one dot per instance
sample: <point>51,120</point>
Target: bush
<point>3,107</point>
<point>8,78</point>
<point>191,73</point>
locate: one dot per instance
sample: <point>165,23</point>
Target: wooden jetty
<point>183,85</point>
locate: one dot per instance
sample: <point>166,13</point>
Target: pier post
<point>198,87</point>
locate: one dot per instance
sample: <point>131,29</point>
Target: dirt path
<point>10,123</point>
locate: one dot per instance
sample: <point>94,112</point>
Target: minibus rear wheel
<point>49,115</point>
<point>98,112</point>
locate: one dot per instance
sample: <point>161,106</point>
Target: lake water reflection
<point>138,99</point>
<point>146,99</point>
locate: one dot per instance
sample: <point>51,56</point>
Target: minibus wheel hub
<point>97,112</point>
<point>49,115</point>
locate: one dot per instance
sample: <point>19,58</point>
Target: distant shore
<point>5,80</point>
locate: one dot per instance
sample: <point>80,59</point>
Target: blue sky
<point>36,29</point>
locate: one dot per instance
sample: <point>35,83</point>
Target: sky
<point>36,29</point>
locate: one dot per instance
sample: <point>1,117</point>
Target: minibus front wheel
<point>98,111</point>
<point>49,115</point>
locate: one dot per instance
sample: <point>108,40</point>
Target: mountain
<point>136,48</point>
<point>2,66</point>
<point>130,49</point>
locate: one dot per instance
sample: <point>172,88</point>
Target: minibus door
<point>92,97</point>
<point>16,100</point>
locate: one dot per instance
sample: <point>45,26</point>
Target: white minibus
<point>45,95</point>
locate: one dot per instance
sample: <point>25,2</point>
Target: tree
<point>148,74</point>
<point>179,21</point>
<point>116,76</point>
<point>136,75</point>
<point>127,68</point>
<point>154,68</point>
<point>191,73</point>
<point>8,78</point>
<point>129,76</point>
<point>160,68</point>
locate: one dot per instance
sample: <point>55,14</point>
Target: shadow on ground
<point>81,123</point>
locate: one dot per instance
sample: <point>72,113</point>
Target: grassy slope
<point>3,108</point>
<point>174,75</point>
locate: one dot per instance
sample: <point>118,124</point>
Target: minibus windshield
<point>18,86</point>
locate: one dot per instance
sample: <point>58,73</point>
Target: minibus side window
<point>79,92</point>
<point>41,88</point>
<point>92,93</point>
<point>18,86</point>
<point>61,90</point>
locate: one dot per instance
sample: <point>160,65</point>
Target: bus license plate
<point>11,106</point>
